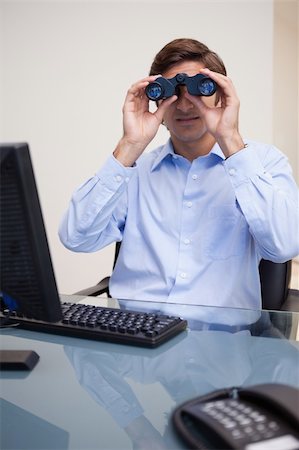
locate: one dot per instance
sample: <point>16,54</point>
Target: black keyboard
<point>108,324</point>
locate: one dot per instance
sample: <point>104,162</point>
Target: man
<point>196,215</point>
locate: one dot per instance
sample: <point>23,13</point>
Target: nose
<point>183,103</point>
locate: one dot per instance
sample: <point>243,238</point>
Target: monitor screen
<point>27,277</point>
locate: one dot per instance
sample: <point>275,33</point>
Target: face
<point>182,118</point>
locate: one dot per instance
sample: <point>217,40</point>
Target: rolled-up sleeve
<point>97,210</point>
<point>268,197</point>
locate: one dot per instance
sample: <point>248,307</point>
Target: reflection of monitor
<point>27,278</point>
<point>24,430</point>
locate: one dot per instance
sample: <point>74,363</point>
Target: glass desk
<point>94,395</point>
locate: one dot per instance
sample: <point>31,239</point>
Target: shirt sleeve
<point>268,197</point>
<point>97,210</point>
<point>101,375</point>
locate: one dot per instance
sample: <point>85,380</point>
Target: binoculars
<point>163,88</point>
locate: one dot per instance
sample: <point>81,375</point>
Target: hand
<point>139,124</point>
<point>144,435</point>
<point>222,119</point>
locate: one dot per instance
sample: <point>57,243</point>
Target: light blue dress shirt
<point>191,232</point>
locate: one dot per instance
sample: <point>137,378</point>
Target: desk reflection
<point>247,349</point>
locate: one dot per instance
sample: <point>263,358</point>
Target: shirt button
<point>183,275</point>
<point>127,179</point>
<point>189,204</point>
<point>232,171</point>
<point>194,176</point>
<point>118,178</point>
<point>187,241</point>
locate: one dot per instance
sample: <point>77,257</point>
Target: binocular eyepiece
<point>163,88</point>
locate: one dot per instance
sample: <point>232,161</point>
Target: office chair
<point>275,282</point>
<point>103,286</point>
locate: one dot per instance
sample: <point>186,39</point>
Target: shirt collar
<point>216,150</point>
<point>167,150</point>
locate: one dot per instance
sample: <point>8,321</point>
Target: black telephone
<point>260,417</point>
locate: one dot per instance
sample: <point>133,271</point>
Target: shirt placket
<point>184,271</point>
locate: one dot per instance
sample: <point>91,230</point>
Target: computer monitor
<point>27,277</point>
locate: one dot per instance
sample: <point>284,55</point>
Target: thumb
<point>198,103</point>
<point>164,106</point>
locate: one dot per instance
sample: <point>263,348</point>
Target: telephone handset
<point>260,417</point>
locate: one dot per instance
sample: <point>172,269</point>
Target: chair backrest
<point>117,249</point>
<point>275,282</point>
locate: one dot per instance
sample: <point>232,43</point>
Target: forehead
<point>189,67</point>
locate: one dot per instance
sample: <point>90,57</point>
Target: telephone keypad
<point>241,420</point>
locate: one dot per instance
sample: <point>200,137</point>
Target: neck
<point>193,149</point>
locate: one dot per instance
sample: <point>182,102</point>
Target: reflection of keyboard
<point>108,324</point>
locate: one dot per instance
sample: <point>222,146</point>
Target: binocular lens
<point>207,87</point>
<point>154,91</point>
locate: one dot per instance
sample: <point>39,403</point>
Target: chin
<point>187,137</point>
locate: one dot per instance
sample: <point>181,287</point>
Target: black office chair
<point>275,285</point>
<point>103,286</point>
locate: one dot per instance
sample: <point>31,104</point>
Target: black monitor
<point>27,277</point>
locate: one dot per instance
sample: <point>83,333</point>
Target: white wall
<point>1,73</point>
<point>285,79</point>
<point>67,66</point>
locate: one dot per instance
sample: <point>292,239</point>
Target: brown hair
<point>186,49</point>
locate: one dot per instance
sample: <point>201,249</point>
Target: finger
<point>223,82</point>
<point>141,84</point>
<point>218,77</point>
<point>198,102</point>
<point>164,105</point>
<point>137,89</point>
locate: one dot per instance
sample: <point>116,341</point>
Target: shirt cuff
<point>113,174</point>
<point>243,166</point>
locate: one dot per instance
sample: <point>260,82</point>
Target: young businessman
<point>196,215</point>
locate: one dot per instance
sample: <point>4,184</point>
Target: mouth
<point>187,120</point>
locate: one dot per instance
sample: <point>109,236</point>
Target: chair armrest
<point>101,288</point>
